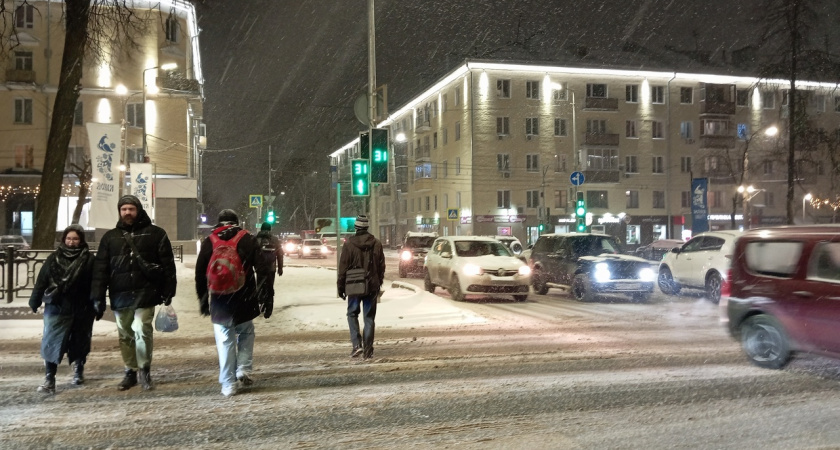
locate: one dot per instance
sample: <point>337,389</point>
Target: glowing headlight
<point>524,271</point>
<point>405,255</point>
<point>290,247</point>
<point>325,249</point>
<point>647,274</point>
<point>602,272</point>
<point>471,269</point>
<point>306,250</point>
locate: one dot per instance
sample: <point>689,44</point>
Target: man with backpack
<point>361,272</point>
<point>227,270</point>
<point>272,253</point>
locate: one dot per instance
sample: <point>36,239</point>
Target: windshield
<point>596,245</point>
<point>480,248</point>
<point>312,242</point>
<point>419,241</point>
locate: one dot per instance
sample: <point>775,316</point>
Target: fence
<point>21,267</point>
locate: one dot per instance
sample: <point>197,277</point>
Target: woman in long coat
<point>63,286</point>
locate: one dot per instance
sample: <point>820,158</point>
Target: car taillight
<point>726,285</point>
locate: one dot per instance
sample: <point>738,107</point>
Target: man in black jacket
<point>135,264</point>
<point>232,314</point>
<point>272,253</point>
<point>352,256</point>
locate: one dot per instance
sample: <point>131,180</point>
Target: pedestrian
<point>226,273</point>
<point>272,253</point>
<point>63,286</point>
<point>135,264</point>
<point>353,256</point>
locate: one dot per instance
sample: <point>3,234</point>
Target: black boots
<point>146,379</point>
<point>78,373</point>
<point>128,381</point>
<point>49,381</point>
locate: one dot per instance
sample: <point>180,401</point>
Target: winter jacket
<point>272,250</point>
<point>116,271</point>
<point>243,305</point>
<point>73,299</point>
<point>351,257</point>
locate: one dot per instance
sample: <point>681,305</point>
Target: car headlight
<point>647,274</point>
<point>405,255</point>
<point>471,269</point>
<point>290,247</point>
<point>305,249</point>
<point>524,270</point>
<point>325,249</point>
<point>602,272</point>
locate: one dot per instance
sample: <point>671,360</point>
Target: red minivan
<point>785,293</point>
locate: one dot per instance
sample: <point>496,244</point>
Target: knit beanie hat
<point>228,215</point>
<point>129,200</point>
<point>362,222</point>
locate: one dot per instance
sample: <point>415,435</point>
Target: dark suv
<point>413,252</point>
<point>588,265</point>
<point>785,293</point>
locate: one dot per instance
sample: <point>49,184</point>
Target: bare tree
<point>84,174</point>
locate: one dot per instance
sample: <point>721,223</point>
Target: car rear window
<point>825,262</point>
<point>419,241</point>
<point>776,259</point>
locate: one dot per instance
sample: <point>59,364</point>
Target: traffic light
<point>364,145</point>
<point>269,217</point>
<point>360,184</point>
<point>379,155</point>
<point>580,213</point>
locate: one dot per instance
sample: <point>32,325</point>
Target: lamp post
<point>168,66</point>
<point>748,192</point>
<point>806,198</point>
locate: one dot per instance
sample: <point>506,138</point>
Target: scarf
<point>67,266</point>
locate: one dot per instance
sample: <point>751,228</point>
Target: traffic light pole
<point>372,214</point>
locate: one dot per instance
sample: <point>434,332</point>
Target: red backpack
<point>225,273</point>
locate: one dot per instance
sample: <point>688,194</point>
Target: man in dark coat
<point>135,264</point>
<point>352,254</point>
<point>272,253</point>
<point>232,314</point>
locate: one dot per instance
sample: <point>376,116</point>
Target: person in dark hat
<point>358,249</point>
<point>63,287</point>
<point>136,267</point>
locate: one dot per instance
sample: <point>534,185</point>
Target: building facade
<point>112,91</point>
<point>493,149</point>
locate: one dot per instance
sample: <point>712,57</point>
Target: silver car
<point>701,263</point>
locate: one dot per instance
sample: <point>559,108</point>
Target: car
<point>413,252</point>
<point>784,293</point>
<point>291,244</point>
<point>475,265</point>
<point>701,263</point>
<point>313,248</point>
<point>18,242</point>
<point>656,250</point>
<point>589,265</point>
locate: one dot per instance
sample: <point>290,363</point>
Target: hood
<point>226,232</point>
<point>363,240</point>
<point>614,257</point>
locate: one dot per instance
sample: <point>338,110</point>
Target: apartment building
<point>112,91</point>
<point>491,149</point>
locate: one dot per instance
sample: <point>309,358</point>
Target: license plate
<point>629,286</point>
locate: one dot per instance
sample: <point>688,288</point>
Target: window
<point>434,139</point>
<point>686,95</point>
<point>657,129</point>
<point>561,198</point>
<point>443,103</point>
<point>503,162</point>
<point>630,129</point>
<point>78,115</point>
<point>503,126</point>
<point>657,94</point>
<point>23,60</point>
<point>457,131</point>
<point>533,199</point>
<point>596,126</point>
<point>457,96</point>
<point>445,136</point>
<point>23,111</point>
<point>532,163</point>
<point>24,157</point>
<point>75,157</point>
<point>658,164</point>
<point>25,16</point>
<point>768,99</point>
<point>630,164</point>
<point>632,93</point>
<point>602,159</point>
<point>172,28</point>
<point>560,163</point>
<point>715,127</point>
<point>560,94</point>
<point>743,131</point>
<point>532,126</point>
<point>503,199</point>
<point>767,167</point>
<point>445,168</point>
<point>818,103</point>
<point>769,199</point>
<point>685,199</point>
<point>685,164</point>
<point>532,90</point>
<point>560,127</point>
<point>686,130</point>
<point>134,115</point>
<point>503,88</point>
<point>632,199</point>
<point>457,199</point>
<point>597,199</point>
<point>596,90</point>
<point>423,170</point>
<point>458,172</point>
<point>135,155</point>
<point>742,97</point>
<point>715,199</point>
<point>427,203</point>
<point>659,199</point>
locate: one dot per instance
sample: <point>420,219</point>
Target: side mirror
<point>675,250</point>
<point>446,255</point>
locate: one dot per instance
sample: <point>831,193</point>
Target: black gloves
<point>99,307</point>
<point>280,271</point>
<point>342,295</point>
<point>167,301</point>
<point>266,308</point>
<point>34,304</point>
<point>204,305</point>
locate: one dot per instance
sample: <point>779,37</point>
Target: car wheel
<point>455,289</point>
<point>403,272</point>
<point>520,298</point>
<point>538,281</point>
<point>765,342</point>
<point>581,288</point>
<point>666,282</point>
<point>640,297</point>
<point>713,284</point>
<point>427,283</point>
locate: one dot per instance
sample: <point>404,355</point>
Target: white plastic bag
<point>166,320</point>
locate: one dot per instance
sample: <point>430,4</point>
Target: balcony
<point>422,153</point>
<point>717,107</point>
<point>600,139</point>
<point>423,184</point>
<point>714,141</point>
<point>600,103</point>
<point>601,176</point>
<point>723,176</point>
<point>20,76</point>
<point>176,82</point>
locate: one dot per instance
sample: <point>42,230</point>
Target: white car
<point>701,263</point>
<point>475,265</point>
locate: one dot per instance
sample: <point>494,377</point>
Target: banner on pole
<point>141,186</point>
<point>105,151</point>
<point>699,205</point>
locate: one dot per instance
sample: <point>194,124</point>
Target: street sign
<point>255,201</point>
<point>452,214</point>
<point>577,178</point>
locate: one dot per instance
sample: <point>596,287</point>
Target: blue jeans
<point>368,307</point>
<point>135,329</point>
<point>236,351</point>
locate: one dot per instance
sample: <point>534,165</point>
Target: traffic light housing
<point>379,155</point>
<point>270,218</point>
<point>580,213</point>
<point>359,181</point>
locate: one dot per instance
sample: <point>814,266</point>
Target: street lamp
<point>748,192</point>
<point>806,198</point>
<point>167,66</point>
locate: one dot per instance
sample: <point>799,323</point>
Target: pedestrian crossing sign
<point>452,214</point>
<point>255,201</point>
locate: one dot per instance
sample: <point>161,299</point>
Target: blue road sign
<point>577,178</point>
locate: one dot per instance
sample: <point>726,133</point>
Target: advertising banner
<point>105,151</point>
<point>141,186</point>
<point>699,205</point>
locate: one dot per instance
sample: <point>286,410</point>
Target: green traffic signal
<point>379,155</point>
<point>360,185</point>
<point>580,206</point>
<point>270,218</point>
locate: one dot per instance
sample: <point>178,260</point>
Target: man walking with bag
<point>272,253</point>
<point>361,251</point>
<point>135,264</point>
